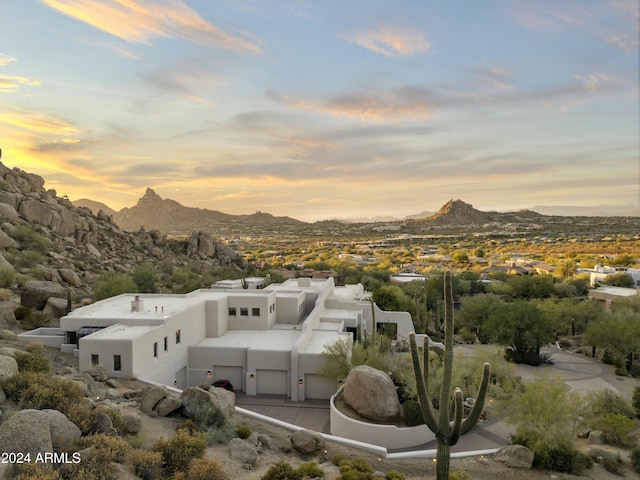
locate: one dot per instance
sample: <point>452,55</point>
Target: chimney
<point>136,304</point>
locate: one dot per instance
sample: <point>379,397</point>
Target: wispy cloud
<point>594,82</point>
<point>10,84</point>
<point>623,41</point>
<point>403,103</point>
<point>33,121</point>
<point>6,59</point>
<point>141,21</point>
<point>496,76</point>
<point>391,41</point>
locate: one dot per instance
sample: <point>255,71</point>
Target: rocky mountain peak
<point>457,212</point>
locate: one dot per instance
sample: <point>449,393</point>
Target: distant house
<point>542,268</point>
<point>265,340</point>
<point>608,295</point>
<point>599,273</point>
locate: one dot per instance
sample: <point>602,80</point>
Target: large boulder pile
<point>372,394</point>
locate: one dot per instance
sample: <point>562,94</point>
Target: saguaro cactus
<point>449,424</point>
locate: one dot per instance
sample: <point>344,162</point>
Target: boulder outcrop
<point>372,394</point>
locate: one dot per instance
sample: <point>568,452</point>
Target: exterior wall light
<point>300,382</point>
<point>252,376</point>
<point>209,373</point>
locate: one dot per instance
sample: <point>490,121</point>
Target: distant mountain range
<point>168,216</point>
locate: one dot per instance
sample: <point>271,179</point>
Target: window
<point>232,311</point>
<point>117,363</point>
<point>177,337</point>
<point>244,312</point>
<point>166,344</point>
<point>155,349</point>
<point>94,359</point>
<point>255,312</point>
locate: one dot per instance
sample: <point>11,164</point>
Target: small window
<point>94,359</point>
<point>155,349</point>
<point>255,312</point>
<point>117,363</point>
<point>232,311</point>
<point>177,337</point>
<point>244,312</point>
<point>166,344</point>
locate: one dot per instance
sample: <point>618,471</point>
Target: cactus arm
<point>422,384</point>
<point>456,427</point>
<point>445,392</point>
<point>476,410</point>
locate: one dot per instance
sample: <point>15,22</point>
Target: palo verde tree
<point>449,424</point>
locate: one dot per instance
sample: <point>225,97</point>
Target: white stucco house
<point>264,339</point>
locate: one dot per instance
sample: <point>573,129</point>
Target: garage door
<point>318,387</point>
<point>272,382</point>
<point>233,374</point>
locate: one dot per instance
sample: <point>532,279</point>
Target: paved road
<point>579,372</point>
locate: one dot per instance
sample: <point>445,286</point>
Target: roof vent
<point>136,304</point>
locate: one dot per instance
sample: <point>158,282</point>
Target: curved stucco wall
<point>388,436</point>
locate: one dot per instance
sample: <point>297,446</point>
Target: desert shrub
<point>311,470</point>
<point>204,414</point>
<point>188,425</point>
<point>22,312</point>
<point>612,466</point>
<point>88,420</point>
<point>337,458</point>
<point>178,451</point>
<point>29,259</point>
<point>36,471</point>
<point>110,284</point>
<point>28,238</point>
<point>361,465</point>
<point>412,413</point>
<point>35,320</point>
<point>145,464</point>
<point>635,401</point>
<point>32,362</point>
<point>616,428</point>
<point>113,448</point>
<point>95,465</point>
<point>34,347</point>
<point>467,335</point>
<point>460,475</point>
<point>563,457</point>
<point>203,469</point>
<point>7,276</point>
<point>35,390</point>
<point>607,401</point>
<point>635,459</point>
<point>608,358</point>
<point>621,371</point>
<point>243,431</point>
<point>396,475</point>
<point>281,470</point>
<point>220,435</point>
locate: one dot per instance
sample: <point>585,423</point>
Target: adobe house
<point>265,339</point>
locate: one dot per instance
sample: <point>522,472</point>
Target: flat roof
<point>319,339</point>
<point>274,339</point>
<point>119,331</point>
<point>618,291</point>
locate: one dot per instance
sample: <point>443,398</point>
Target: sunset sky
<point>327,108</point>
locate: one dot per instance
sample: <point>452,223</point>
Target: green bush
<point>145,464</point>
<point>22,312</point>
<point>616,428</point>
<point>635,401</point>
<point>281,470</point>
<point>35,320</point>
<point>612,466</point>
<point>204,414</point>
<point>188,425</point>
<point>564,457</point>
<point>29,239</point>
<point>635,459</point>
<point>95,465</point>
<point>412,413</point>
<point>36,471</point>
<point>113,448</point>
<point>607,401</point>
<point>32,362</point>
<point>38,391</point>
<point>203,469</point>
<point>29,259</point>
<point>396,475</point>
<point>110,284</point>
<point>311,470</point>
<point>460,475</point>
<point>338,458</point>
<point>243,431</point>
<point>178,451</point>
<point>7,276</point>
